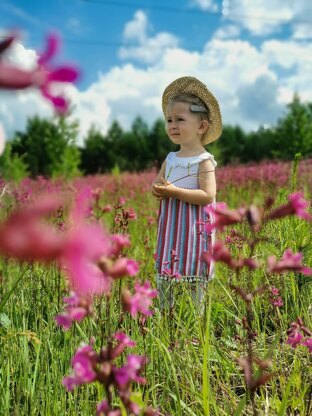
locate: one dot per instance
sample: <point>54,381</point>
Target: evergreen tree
<point>293,133</point>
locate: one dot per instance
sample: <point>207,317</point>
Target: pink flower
<point>85,246</point>
<point>130,372</point>
<point>78,307</point>
<point>275,291</point>
<point>130,214</point>
<point>277,302</point>
<point>308,343</point>
<point>220,252</point>
<point>83,363</point>
<point>43,76</point>
<point>104,409</point>
<point>141,300</point>
<point>222,216</point>
<point>297,205</point>
<point>24,236</point>
<point>294,339</point>
<point>290,262</point>
<point>124,341</point>
<point>124,267</point>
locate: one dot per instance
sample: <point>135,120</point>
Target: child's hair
<point>194,101</point>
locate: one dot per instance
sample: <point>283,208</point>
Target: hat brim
<point>194,86</point>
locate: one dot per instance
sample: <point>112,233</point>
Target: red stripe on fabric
<point>199,239</point>
<point>162,228</point>
<point>186,236</point>
<point>176,228</point>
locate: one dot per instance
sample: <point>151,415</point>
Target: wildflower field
<point>115,352</point>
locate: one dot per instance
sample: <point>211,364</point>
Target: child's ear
<point>203,127</point>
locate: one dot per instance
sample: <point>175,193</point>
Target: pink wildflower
<point>119,242</point>
<point>130,372</point>
<point>24,236</point>
<point>219,252</point>
<point>77,308</point>
<point>103,409</point>
<point>83,363</point>
<point>43,76</point>
<point>294,339</point>
<point>223,216</point>
<point>277,302</point>
<point>297,205</point>
<point>275,291</point>
<point>124,267</point>
<point>141,300</point>
<point>85,246</point>
<point>289,262</point>
<point>308,343</point>
<point>124,341</point>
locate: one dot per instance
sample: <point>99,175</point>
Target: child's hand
<point>164,189</point>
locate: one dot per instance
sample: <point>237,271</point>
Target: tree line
<point>48,147</point>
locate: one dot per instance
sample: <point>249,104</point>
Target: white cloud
<point>210,5</point>
<point>136,29</point>
<point>227,31</point>
<point>252,84</point>
<point>263,17</point>
<point>142,47</point>
<point>18,56</point>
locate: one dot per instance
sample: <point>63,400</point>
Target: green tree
<point>43,145</point>
<point>293,133</point>
<point>12,166</point>
<point>93,155</point>
<point>231,145</point>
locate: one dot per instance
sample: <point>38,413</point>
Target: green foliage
<point>293,132</point>
<point>12,166</point>
<point>48,147</point>
<point>198,373</point>
<point>44,144</point>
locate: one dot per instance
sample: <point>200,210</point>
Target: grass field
<point>193,359</point>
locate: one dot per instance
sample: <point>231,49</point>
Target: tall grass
<point>196,374</point>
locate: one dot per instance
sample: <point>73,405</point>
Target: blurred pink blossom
<point>223,216</point>
<point>141,300</point>
<point>294,339</point>
<point>297,205</point>
<point>103,409</point>
<point>124,267</point>
<point>308,343</point>
<point>84,364</point>
<point>130,372</point>
<point>42,77</point>
<point>124,341</point>
<point>77,308</point>
<point>289,262</point>
<point>86,244</point>
<point>24,235</point>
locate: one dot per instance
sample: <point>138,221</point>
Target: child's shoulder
<point>173,158</point>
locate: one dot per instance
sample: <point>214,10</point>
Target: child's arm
<point>203,196</point>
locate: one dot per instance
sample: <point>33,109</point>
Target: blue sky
<point>253,55</point>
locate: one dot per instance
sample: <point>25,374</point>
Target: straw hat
<point>194,86</point>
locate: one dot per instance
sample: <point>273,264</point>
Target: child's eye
<point>168,120</point>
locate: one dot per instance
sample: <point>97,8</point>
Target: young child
<point>185,185</point>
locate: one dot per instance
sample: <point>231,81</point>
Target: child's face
<point>182,126</point>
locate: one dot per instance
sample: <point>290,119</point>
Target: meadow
<point>238,357</point>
